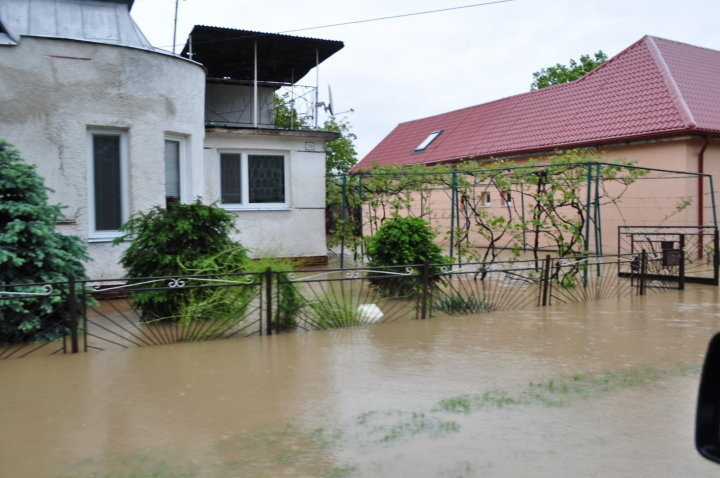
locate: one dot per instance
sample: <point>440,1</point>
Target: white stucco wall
<point>297,230</point>
<point>53,91</point>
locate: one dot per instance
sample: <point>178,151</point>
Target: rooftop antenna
<point>177,2</point>
<point>175,25</point>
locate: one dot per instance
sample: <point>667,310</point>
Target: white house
<point>116,126</point>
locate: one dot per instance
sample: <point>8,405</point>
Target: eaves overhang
<point>548,149</point>
<point>230,54</point>
<point>129,3</point>
<point>554,148</point>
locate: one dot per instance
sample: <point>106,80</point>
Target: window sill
<point>256,208</point>
<point>108,238</point>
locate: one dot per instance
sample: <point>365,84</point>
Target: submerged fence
<point>83,316</point>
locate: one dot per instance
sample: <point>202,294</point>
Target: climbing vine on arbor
<point>499,207</point>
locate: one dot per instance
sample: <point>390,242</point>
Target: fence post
<point>268,302</point>
<point>425,279</point>
<point>681,268</point>
<point>716,265</point>
<point>73,310</point>
<point>545,281</point>
<point>343,221</point>
<point>643,271</point>
<point>453,209</point>
<point>587,211</point>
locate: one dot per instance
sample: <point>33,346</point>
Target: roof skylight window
<point>426,142</point>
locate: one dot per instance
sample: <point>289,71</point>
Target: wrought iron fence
<point>33,319</point>
<point>699,246</point>
<point>100,315</point>
<point>194,308</point>
<point>352,297</point>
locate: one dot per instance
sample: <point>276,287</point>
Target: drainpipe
<point>701,191</point>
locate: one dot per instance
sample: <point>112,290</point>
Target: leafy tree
<point>340,153</point>
<point>168,241</point>
<point>285,114</point>
<point>32,252</point>
<point>554,75</point>
<point>341,156</point>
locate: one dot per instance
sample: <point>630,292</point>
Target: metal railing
<point>82,316</point>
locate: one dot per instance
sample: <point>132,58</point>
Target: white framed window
<point>253,180</point>
<point>175,166</point>
<point>505,198</point>
<point>107,183</point>
<point>485,199</point>
<point>426,142</point>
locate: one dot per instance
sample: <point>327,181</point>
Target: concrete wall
<point>297,230</point>
<point>53,91</point>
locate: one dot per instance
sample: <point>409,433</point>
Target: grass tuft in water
<point>459,304</point>
<point>132,466</point>
<point>340,472</point>
<point>333,313</point>
<point>394,426</point>
<point>559,392</point>
<point>274,451</point>
<point>461,469</point>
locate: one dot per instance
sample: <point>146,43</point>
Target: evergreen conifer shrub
<point>31,251</point>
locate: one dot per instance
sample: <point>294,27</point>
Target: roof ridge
<point>675,91</point>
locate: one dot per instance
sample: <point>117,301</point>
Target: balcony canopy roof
<point>228,53</point>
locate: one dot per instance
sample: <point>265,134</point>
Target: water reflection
<point>368,401</point>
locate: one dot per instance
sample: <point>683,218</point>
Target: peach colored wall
<point>652,200</point>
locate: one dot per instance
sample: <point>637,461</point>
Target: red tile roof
<point>655,87</point>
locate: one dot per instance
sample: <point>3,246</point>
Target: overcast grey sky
<point>398,70</point>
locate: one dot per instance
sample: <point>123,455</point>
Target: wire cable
<point>392,17</point>
<point>378,19</point>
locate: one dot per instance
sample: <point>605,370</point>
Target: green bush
<point>404,241</point>
<point>180,240</point>
<point>222,301</point>
<point>31,251</point>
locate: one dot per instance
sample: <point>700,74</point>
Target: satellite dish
<point>328,107</point>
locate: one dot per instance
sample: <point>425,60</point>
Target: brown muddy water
<point>605,389</point>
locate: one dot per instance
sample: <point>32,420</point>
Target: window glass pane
<point>266,178</point>
<point>107,182</point>
<point>230,177</point>
<point>172,170</point>
<point>426,142</point>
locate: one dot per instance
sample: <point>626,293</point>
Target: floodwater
<point>603,389</point>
